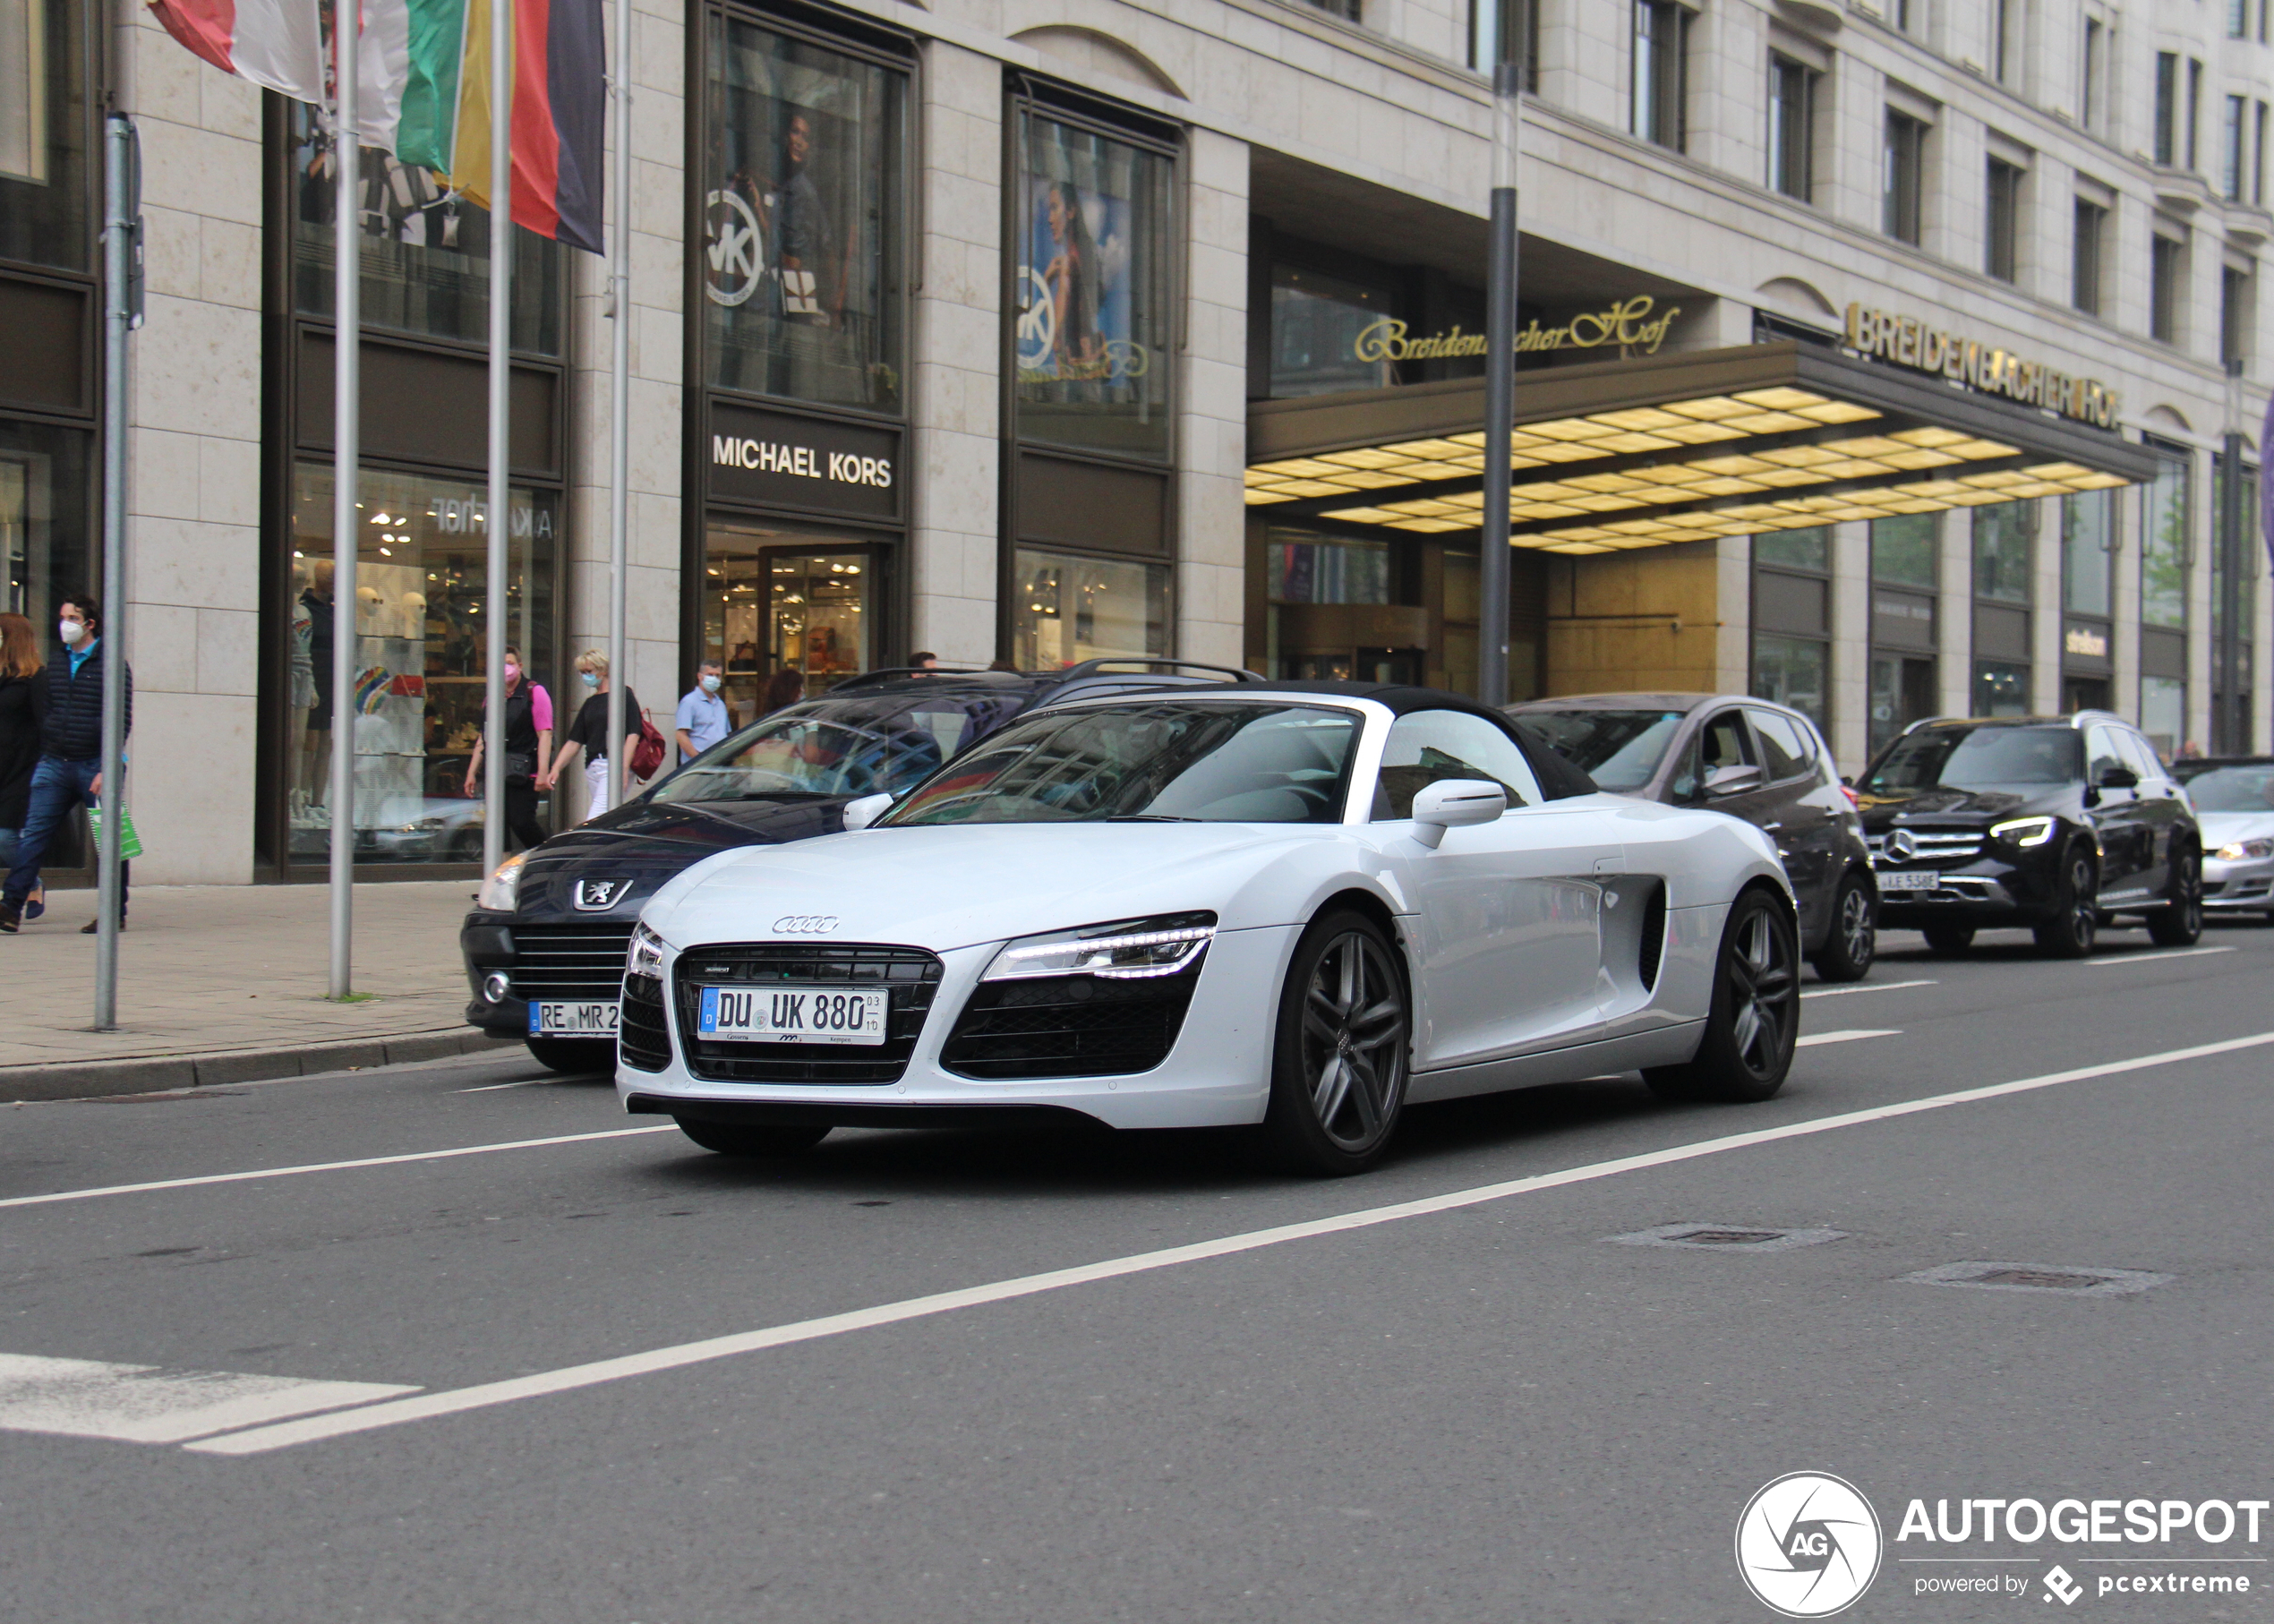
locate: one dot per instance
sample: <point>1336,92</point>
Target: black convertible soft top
<point>1560,780</point>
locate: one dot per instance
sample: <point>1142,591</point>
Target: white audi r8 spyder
<point>1298,905</point>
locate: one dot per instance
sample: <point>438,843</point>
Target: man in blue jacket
<point>70,753</point>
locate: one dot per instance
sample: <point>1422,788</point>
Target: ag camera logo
<point>1808,1544</point>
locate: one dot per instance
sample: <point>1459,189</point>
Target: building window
<point>2096,45</point>
<point>2001,688</point>
<point>2194,114</point>
<point>47,202</point>
<point>1904,573</point>
<point>2006,41</point>
<point>2166,280</point>
<point>1661,90</point>
<point>1069,609</point>
<point>1792,620</point>
<point>2237,314</point>
<point>2166,506</point>
<point>2163,712</point>
<point>2002,566</point>
<point>2232,173</point>
<point>1319,328</point>
<point>1348,10</point>
<point>2238,19</point>
<point>2002,229</point>
<point>2166,108</point>
<point>1506,31</point>
<point>2258,154</point>
<point>44,518</point>
<point>2084,265</point>
<point>2088,548</point>
<point>1903,550</point>
<point>1905,176</point>
<point>1792,92</point>
<point>1910,15</point>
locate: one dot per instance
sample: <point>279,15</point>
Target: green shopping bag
<point>129,843</point>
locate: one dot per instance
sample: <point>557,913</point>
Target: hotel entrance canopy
<point>1679,447</point>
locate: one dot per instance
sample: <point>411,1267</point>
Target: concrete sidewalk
<point>225,984</point>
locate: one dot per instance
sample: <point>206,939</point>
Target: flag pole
<point>347,154</point>
<point>500,523</point>
<point>620,290</point>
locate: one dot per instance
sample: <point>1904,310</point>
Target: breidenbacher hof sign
<point>1908,341</point>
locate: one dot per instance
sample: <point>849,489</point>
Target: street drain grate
<point>1727,1238</point>
<point>2031,1277</point>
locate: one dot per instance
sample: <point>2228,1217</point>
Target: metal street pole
<point>619,307</point>
<point>2228,724</point>
<point>1500,387</point>
<point>347,432</point>
<point>122,312</point>
<point>500,522</point>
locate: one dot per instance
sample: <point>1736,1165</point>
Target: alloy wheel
<point>2084,910</point>
<point>1764,988</point>
<point>1854,926</point>
<point>1354,1042</point>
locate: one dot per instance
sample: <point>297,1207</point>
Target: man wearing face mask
<point>529,745</point>
<point>702,720</point>
<point>71,749</point>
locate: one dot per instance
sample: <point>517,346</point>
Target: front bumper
<point>1217,1074</point>
<point>1989,889</point>
<point>2247,887</point>
<point>567,960</point>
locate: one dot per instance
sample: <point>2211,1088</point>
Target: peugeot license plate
<point>596,1019</point>
<point>1911,879</point>
<point>808,1015</point>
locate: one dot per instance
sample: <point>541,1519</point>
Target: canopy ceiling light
<point>1679,447</point>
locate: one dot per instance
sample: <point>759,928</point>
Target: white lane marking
<point>2161,956</point>
<point>285,1434</point>
<point>367,1161</point>
<point>1849,1036</point>
<point>144,1404</point>
<point>1866,987</point>
<point>491,1087</point>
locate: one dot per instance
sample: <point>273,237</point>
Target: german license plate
<point>1911,879</point>
<point>808,1015</point>
<point>597,1018</point>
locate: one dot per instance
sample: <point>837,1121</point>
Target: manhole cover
<point>2075,1282</point>
<point>1727,1238</point>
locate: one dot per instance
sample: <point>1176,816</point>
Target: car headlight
<point>645,956</point>
<point>498,891</point>
<point>1126,950</point>
<point>2024,831</point>
<point>2237,850</point>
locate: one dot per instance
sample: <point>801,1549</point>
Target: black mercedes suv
<point>2062,823</point>
<point>544,943</point>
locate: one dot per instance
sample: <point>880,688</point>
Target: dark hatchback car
<point>1763,763</point>
<point>2062,823</point>
<point>544,943</point>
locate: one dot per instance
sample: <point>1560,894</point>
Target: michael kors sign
<point>1908,341</point>
<point>1629,324</point>
<point>803,462</point>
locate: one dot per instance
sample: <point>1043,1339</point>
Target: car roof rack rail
<point>884,672</point>
<point>1109,662</point>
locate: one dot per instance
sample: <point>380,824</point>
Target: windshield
<point>1619,749</point>
<point>839,747</point>
<point>2234,790</point>
<point>1977,758</point>
<point>1190,762</point>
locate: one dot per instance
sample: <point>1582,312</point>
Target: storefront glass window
<point>1327,334</point>
<point>2163,712</point>
<point>1319,571</point>
<point>2000,689</point>
<point>2088,539</point>
<point>45,202</point>
<point>1809,549</point>
<point>778,600</point>
<point>1902,550</point>
<point>1791,671</point>
<point>2164,507</point>
<point>426,251</point>
<point>1092,301</point>
<point>422,601</point>
<point>43,517</point>
<point>801,221</point>
<point>2002,555</point>
<point>1072,609</point>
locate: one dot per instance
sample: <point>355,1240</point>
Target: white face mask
<point>71,630</point>
<point>710,684</point>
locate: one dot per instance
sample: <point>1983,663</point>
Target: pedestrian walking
<point>785,687</point>
<point>70,770</point>
<point>589,734</point>
<point>702,719</point>
<point>529,745</point>
<point>24,706</point>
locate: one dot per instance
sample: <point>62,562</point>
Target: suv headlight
<point>645,956</point>
<point>2235,851</point>
<point>498,891</point>
<point>1124,950</point>
<point>2024,831</point>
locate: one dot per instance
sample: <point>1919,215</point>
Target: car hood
<point>1959,806</point>
<point>649,843</point>
<point>954,886</point>
<point>2221,827</point>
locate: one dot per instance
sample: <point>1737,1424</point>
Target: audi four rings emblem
<point>804,924</point>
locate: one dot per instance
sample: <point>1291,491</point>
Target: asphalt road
<point>1478,1408</point>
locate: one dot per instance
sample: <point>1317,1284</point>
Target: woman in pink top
<point>529,745</point>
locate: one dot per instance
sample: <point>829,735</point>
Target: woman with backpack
<point>589,734</point>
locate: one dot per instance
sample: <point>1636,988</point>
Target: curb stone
<point>159,1074</point>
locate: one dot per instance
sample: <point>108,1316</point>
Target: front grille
<point>1069,1026</point>
<point>909,975</point>
<point>641,1039</point>
<point>1930,846</point>
<point>569,961</point>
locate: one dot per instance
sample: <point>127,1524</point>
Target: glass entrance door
<point>774,602</point>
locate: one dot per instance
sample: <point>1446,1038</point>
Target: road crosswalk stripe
<point>145,1403</point>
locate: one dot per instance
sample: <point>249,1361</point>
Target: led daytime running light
<point>645,956</point>
<point>1082,951</point>
<point>2024,831</point>
<point>2235,851</point>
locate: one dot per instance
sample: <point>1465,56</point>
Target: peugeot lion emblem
<point>593,895</point>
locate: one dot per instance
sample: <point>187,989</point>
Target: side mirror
<point>1455,803</point>
<point>1732,780</point>
<point>859,813</point>
<point>2119,778</point>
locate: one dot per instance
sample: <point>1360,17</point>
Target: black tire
<point>1949,940</point>
<point>2075,923</point>
<point>573,1056</point>
<point>731,1139</point>
<point>1852,941</point>
<point>2181,923</point>
<point>1756,1016</point>
<point>1339,1058</point>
